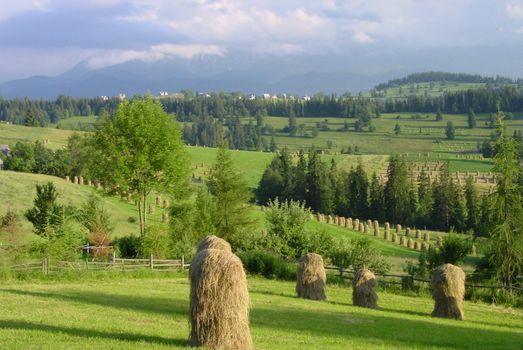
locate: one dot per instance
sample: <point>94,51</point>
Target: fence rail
<point>405,279</point>
<point>46,265</point>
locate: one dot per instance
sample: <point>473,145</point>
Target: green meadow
<point>115,312</point>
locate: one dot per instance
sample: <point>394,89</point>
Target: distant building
<point>252,97</point>
<point>164,93</point>
<point>121,96</point>
<point>306,98</point>
<point>104,98</point>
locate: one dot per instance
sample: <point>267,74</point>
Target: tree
<point>30,118</point>
<point>319,191</point>
<point>471,119</point>
<point>358,192</point>
<point>506,235</point>
<point>95,218</point>
<point>397,191</point>
<point>397,129</point>
<point>377,199</point>
<point>231,194</point>
<point>439,116</point>
<point>138,151</point>
<point>46,213</point>
<point>472,203</point>
<point>450,132</point>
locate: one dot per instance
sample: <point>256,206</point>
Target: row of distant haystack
<point>219,299</point>
<point>404,238</point>
<point>126,196</point>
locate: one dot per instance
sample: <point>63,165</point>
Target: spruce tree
<point>319,191</point>
<point>397,190</point>
<point>46,213</point>
<point>472,202</point>
<point>471,119</point>
<point>230,193</point>
<point>376,199</point>
<point>424,199</point>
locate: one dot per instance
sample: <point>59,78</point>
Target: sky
<point>49,37</point>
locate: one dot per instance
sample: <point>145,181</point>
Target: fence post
<point>151,262</point>
<point>183,261</point>
<point>113,258</point>
<point>44,261</point>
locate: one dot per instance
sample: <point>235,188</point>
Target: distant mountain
<point>257,73</point>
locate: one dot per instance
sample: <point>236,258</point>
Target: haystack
<point>426,237</point>
<point>362,228</point>
<point>363,293</point>
<point>448,291</point>
<point>165,217</point>
<point>348,223</point>
<point>356,226</point>
<point>398,228</point>
<point>342,221</point>
<point>219,302</point>
<point>376,231</point>
<point>403,241</point>
<point>366,228</point>
<point>311,278</point>
<point>407,232</point>
<point>213,242</point>
<point>394,237</point>
<point>418,234</point>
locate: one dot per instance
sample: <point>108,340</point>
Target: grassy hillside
<point>10,134</point>
<point>17,191</point>
<point>151,313</point>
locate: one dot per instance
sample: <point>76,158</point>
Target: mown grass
<point>151,313</point>
<point>11,134</point>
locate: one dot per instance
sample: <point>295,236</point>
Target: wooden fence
<point>408,280</point>
<point>46,265</point>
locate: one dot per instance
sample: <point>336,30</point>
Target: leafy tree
<point>46,213</point>
<point>231,193</point>
<point>138,151</point>
<point>357,254</point>
<point>95,218</point>
<point>286,227</point>
<point>452,251</point>
<point>450,131</point>
<point>471,119</point>
<point>506,212</point>
<point>21,158</point>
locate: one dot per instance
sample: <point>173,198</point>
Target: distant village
<point>265,96</point>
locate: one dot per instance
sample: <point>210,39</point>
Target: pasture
<point>115,312</point>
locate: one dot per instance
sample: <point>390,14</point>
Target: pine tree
<point>300,180</point>
<point>425,199</point>
<point>506,235</point>
<point>376,199</point>
<point>471,119</point>
<point>397,190</point>
<point>358,192</point>
<point>319,191</point>
<point>450,131</point>
<point>230,193</point>
<point>46,213</point>
<point>472,202</point>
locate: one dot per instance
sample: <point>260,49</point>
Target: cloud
<point>154,53</point>
<point>363,38</point>
<point>514,9</point>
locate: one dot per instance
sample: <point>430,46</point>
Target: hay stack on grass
<point>369,222</point>
<point>448,291</point>
<point>423,246</point>
<point>362,228</point>
<point>311,278</point>
<point>386,235</point>
<point>348,223</point>
<point>342,221</point>
<point>387,226</point>
<point>394,237</point>
<point>407,232</point>
<point>329,219</point>
<point>356,226</point>
<point>219,302</point>
<point>166,203</point>
<point>152,209</point>
<point>418,234</point>
<point>213,242</point>
<point>366,228</point>
<point>417,245</point>
<point>363,293</point>
<point>403,241</point>
<point>376,224</point>
<point>336,220</point>
<point>75,180</point>
<point>67,178</point>
<point>376,231</point>
<point>165,217</point>
<point>158,201</point>
<point>473,250</point>
<point>426,237</point>
<point>410,243</point>
<point>80,180</point>
<point>398,228</point>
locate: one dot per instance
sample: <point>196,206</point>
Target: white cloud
<point>362,38</point>
<point>514,9</point>
<point>154,53</point>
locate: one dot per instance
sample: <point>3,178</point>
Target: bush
<point>357,254</point>
<point>452,251</point>
<point>128,246</point>
<point>268,265</point>
<point>156,241</point>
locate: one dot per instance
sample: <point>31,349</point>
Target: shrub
<point>155,241</point>
<point>357,254</point>
<point>268,265</point>
<point>452,251</point>
<point>128,246</point>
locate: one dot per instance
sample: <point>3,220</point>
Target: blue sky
<point>48,37</point>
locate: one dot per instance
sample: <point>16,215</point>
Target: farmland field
<point>151,313</point>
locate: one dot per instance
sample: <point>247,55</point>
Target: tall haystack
<point>366,228</point>
<point>336,220</point>
<point>342,221</point>
<point>329,219</point>
<point>398,228</point>
<point>363,293</point>
<point>219,302</point>
<point>410,243</point>
<point>403,241</point>
<point>376,231</point>
<point>426,237</point>
<point>318,217</point>
<point>362,228</point>
<point>448,291</point>
<point>418,234</point>
<point>311,278</point>
<point>213,242</point>
<point>394,237</point>
<point>386,235</point>
<point>407,232</point>
<point>348,223</point>
<point>356,226</point>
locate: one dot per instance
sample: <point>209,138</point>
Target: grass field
<point>151,313</point>
<point>10,134</point>
<point>77,123</point>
